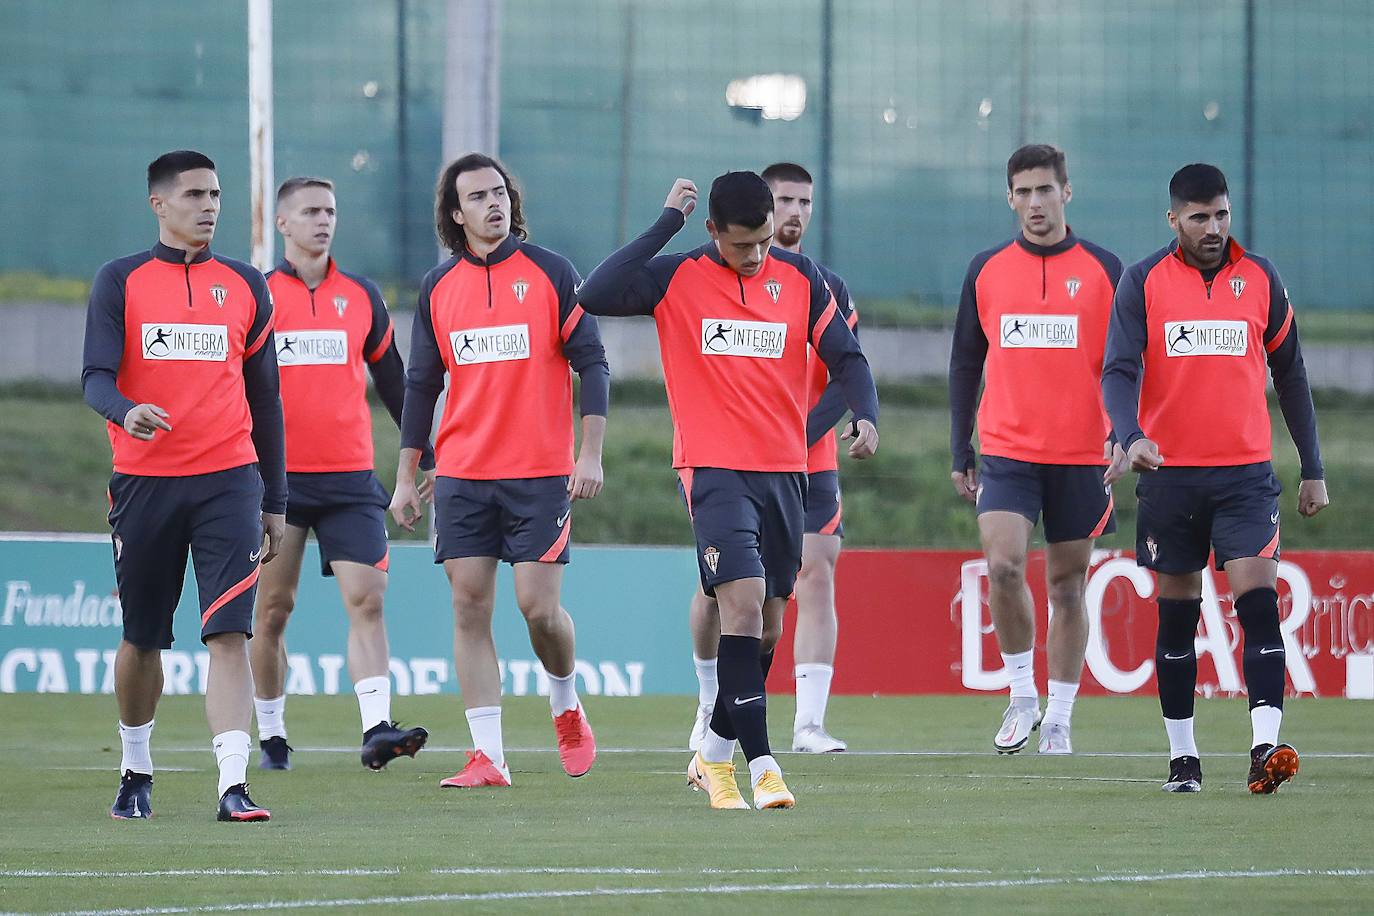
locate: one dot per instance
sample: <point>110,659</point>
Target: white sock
<point>1264,725</point>
<point>707,685</point>
<point>1021,667</point>
<point>562,693</point>
<point>813,693</point>
<point>1181,743</point>
<point>485,724</point>
<point>715,749</point>
<point>231,753</point>
<point>1059,710</point>
<point>374,700</point>
<point>271,717</point>
<point>759,765</point>
<point>135,741</point>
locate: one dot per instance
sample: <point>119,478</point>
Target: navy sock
<point>1264,658</point>
<point>741,695</point>
<point>1176,656</point>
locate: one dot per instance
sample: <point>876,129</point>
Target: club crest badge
<point>340,304</point>
<point>773,288</point>
<point>219,294</point>
<point>1073,285</point>
<point>1237,286</point>
<point>520,288</point>
<point>712,557</point>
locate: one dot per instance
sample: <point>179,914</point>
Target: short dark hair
<point>1198,183</point>
<point>292,185</point>
<point>787,171</point>
<point>451,235</point>
<point>169,165</point>
<point>1038,156</point>
<point>740,199</point>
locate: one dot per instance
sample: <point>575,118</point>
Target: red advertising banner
<point>916,621</point>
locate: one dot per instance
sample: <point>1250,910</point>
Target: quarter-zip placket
<point>742,299</point>
<point>187,266</point>
<point>487,265</point>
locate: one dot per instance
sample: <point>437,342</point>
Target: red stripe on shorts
<point>234,591</point>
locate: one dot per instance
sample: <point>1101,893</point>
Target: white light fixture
<point>775,96</point>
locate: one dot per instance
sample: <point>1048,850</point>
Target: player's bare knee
<point>1007,573</point>
<point>541,613</point>
<point>226,644</point>
<point>1067,596</point>
<point>366,606</point>
<point>273,613</point>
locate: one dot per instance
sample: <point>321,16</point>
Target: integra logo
<point>1206,338</point>
<point>490,345</point>
<point>1039,332</point>
<point>312,348</point>
<point>188,342</point>
<point>759,339</point>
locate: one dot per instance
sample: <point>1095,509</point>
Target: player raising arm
<point>735,320</point>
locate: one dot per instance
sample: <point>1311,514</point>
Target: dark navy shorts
<point>823,511</point>
<point>1186,513</point>
<point>157,520</point>
<point>526,520</point>
<point>748,525</point>
<point>1075,501</point>
<point>347,512</point>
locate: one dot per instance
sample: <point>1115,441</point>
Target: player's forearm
<point>827,412</point>
<point>262,388</point>
<point>593,436</point>
<point>594,399</point>
<point>840,352</point>
<point>100,392</point>
<point>1295,402</point>
<point>406,464</point>
<point>963,406</point>
<point>610,289</point>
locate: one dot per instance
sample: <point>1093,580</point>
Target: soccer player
<point>501,318</point>
<point>734,321</point>
<point>1194,327</point>
<point>179,358</point>
<point>817,624</point>
<point>329,325</point>
<point>1033,315</point>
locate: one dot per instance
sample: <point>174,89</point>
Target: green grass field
<point>55,481</point>
<point>921,816</point>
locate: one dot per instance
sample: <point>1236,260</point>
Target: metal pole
<point>402,141</point>
<point>261,179</point>
<point>825,173</point>
<point>472,77</point>
<point>1247,209</point>
<point>622,222</point>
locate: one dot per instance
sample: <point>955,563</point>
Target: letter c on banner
<point>1107,674</point>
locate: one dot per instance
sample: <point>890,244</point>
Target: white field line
<point>432,749</point>
<point>493,871</point>
<point>202,873</point>
<point>500,896</point>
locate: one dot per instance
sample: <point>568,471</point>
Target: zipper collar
<point>509,245</point>
<point>177,255</point>
<point>1048,251</point>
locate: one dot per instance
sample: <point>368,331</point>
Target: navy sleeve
<point>837,347</point>
<point>579,333</point>
<point>1290,378</point>
<point>387,371</point>
<point>1122,363</point>
<point>967,354</point>
<point>262,387</point>
<point>632,281</point>
<point>830,407</point>
<point>424,376</point>
<point>1111,264</point>
<point>104,344</point>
